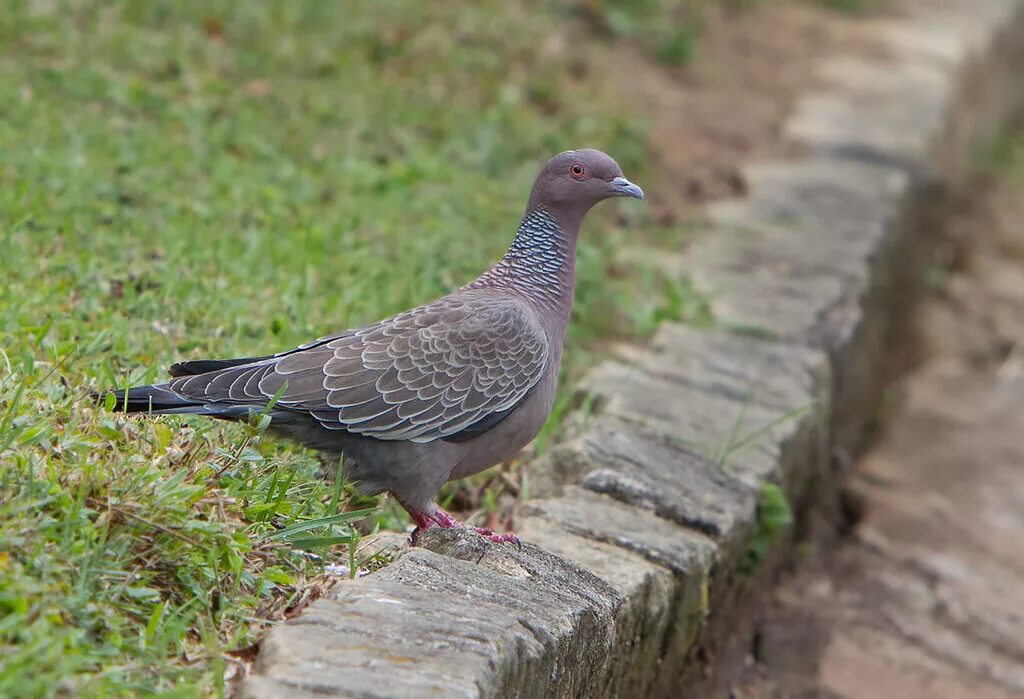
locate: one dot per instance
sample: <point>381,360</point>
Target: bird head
<point>573,181</point>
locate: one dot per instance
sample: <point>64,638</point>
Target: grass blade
<point>315,542</point>
<point>341,518</point>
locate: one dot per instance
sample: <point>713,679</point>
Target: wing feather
<point>422,375</point>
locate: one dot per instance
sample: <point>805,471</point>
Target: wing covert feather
<point>421,375</point>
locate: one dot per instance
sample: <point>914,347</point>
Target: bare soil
<point>925,598</point>
<point>727,108</point>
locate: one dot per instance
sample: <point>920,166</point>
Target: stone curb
<point>641,549</point>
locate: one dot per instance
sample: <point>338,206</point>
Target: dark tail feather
<point>150,399</point>
<point>202,366</point>
<point>158,400</point>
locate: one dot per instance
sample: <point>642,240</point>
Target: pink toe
<point>507,537</point>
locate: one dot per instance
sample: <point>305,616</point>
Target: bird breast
<point>509,436</point>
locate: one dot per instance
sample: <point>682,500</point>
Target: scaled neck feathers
<point>540,263</point>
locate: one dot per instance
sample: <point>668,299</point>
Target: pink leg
<point>440,518</point>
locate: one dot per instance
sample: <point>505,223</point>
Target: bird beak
<point>621,187</point>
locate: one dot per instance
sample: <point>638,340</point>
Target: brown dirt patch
<point>727,108</point>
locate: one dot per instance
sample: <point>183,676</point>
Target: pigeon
<point>436,393</point>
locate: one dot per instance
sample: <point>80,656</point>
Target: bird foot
<point>440,518</point>
<point>507,537</point>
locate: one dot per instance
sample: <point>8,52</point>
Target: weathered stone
<point>824,256</point>
<point>740,435</point>
<point>603,518</point>
<point>776,375</point>
<point>376,639</point>
<point>385,543</point>
<point>903,108</point>
<point>644,468</point>
<point>432,623</point>
<point>800,245</point>
<point>790,381</point>
<point>862,120</point>
<point>813,220</point>
<point>648,593</point>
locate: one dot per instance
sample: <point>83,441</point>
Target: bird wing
<point>421,375</point>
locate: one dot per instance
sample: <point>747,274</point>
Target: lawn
<point>221,179</point>
<point>216,179</point>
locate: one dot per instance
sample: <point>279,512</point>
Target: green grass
<point>221,179</point>
<point>854,6</point>
<point>667,29</point>
<point>1003,155</point>
<point>774,516</point>
<point>1015,161</point>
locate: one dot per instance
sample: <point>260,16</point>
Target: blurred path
<point>926,598</point>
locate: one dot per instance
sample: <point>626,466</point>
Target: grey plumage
<point>421,375</point>
<point>435,393</point>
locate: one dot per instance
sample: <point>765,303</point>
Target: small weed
<point>851,6</point>
<point>773,517</point>
<point>669,30</point>
<point>735,443</point>
<point>678,48</point>
<point>1004,153</point>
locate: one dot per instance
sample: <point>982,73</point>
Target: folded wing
<point>422,375</point>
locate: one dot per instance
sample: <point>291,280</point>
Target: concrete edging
<point>638,556</point>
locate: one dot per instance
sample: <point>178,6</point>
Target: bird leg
<point>436,517</point>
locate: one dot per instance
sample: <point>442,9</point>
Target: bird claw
<point>507,537</point>
<point>440,518</point>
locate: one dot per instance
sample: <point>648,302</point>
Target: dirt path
<point>926,597</point>
<point>708,118</point>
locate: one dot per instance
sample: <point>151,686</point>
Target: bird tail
<point>194,367</point>
<point>156,399</point>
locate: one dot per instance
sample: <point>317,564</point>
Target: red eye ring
<point>577,171</point>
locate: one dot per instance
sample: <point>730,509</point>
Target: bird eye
<point>577,171</point>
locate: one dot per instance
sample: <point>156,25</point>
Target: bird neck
<point>540,262</point>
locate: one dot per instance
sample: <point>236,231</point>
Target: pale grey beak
<point>621,187</point>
